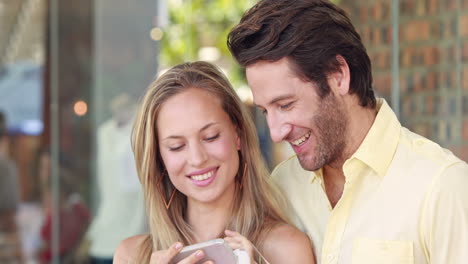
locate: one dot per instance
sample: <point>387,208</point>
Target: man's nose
<point>278,129</point>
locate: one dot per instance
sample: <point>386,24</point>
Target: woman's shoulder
<point>287,244</point>
<point>128,248</point>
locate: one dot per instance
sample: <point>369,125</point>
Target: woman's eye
<point>212,138</point>
<point>176,148</point>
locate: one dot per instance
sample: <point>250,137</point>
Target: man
<point>364,188</point>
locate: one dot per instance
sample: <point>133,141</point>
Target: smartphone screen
<point>216,250</point>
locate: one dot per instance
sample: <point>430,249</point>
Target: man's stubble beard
<point>330,123</point>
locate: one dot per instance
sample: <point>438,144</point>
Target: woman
<point>198,160</point>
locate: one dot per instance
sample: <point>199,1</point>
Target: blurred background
<point>71,74</point>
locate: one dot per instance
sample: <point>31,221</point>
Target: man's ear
<point>340,79</point>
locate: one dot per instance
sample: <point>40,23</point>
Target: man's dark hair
<point>3,126</point>
<point>310,33</point>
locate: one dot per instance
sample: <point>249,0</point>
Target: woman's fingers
<point>237,241</point>
<point>164,256</point>
<point>233,243</point>
<point>193,258</point>
<point>230,233</point>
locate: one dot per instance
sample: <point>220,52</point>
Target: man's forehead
<point>282,64</point>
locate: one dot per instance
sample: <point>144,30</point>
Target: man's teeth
<point>203,176</point>
<point>301,140</point>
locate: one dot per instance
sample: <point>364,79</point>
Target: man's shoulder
<point>290,165</point>
<point>425,150</point>
<point>426,161</point>
<point>290,169</point>
<point>291,161</point>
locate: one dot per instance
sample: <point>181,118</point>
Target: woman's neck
<point>209,220</point>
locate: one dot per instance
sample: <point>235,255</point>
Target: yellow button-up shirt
<point>405,200</point>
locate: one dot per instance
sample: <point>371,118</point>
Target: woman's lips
<point>204,177</point>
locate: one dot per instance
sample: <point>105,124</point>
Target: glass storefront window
<point>72,72</point>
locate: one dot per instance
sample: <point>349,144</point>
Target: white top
<point>120,213</point>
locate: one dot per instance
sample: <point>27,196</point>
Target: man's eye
<point>209,139</point>
<point>286,106</point>
<point>176,148</point>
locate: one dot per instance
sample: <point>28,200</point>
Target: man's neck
<point>360,122</point>
<point>334,181</point>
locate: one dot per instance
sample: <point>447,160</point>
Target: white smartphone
<point>216,250</point>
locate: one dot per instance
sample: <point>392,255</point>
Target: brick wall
<point>433,63</point>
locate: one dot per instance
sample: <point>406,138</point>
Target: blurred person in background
<point>10,246</point>
<point>74,216</point>
<point>120,212</point>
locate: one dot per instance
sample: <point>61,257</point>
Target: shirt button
<point>330,257</point>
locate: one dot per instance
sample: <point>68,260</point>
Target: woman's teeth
<point>301,140</point>
<point>203,176</point>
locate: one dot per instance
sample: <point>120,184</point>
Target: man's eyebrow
<point>203,128</point>
<point>276,99</point>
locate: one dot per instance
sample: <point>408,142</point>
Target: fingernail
<point>199,253</point>
<point>178,245</point>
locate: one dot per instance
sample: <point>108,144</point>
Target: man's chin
<point>308,163</point>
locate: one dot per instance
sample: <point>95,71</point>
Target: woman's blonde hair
<point>257,205</point>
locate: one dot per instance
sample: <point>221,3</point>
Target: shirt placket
<point>339,216</point>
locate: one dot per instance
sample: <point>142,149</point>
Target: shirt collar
<point>316,175</point>
<point>379,145</point>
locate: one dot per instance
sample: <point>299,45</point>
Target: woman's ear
<point>238,143</point>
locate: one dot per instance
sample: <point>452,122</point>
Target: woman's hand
<point>237,241</point>
<point>165,256</point>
